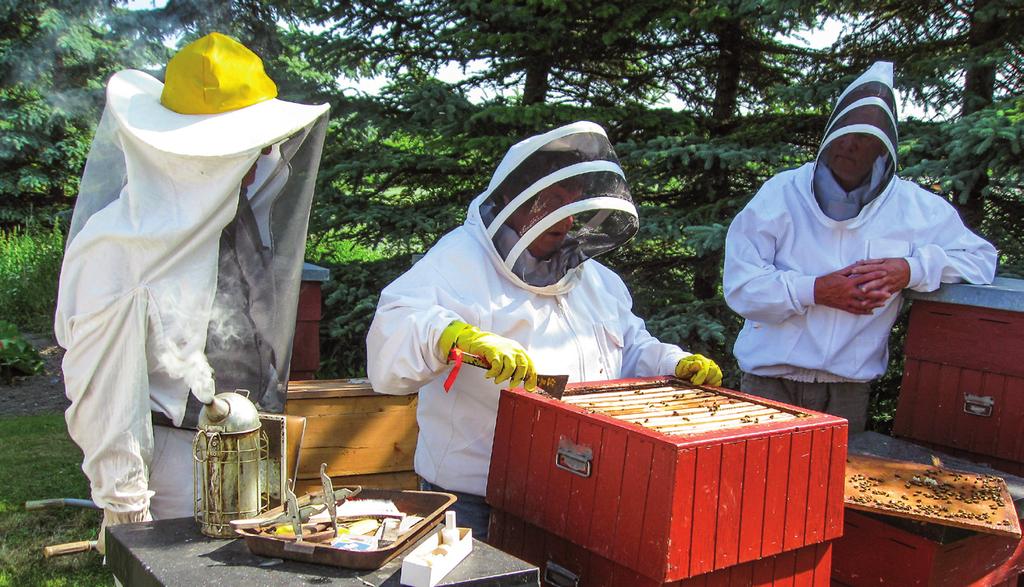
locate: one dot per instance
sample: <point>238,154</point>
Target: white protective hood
<point>141,268</point>
<point>564,186</point>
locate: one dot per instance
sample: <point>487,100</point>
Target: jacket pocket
<point>885,248</point>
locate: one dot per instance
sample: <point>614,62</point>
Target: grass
<point>38,461</point>
<point>30,261</point>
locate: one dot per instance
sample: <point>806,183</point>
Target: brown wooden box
<point>366,438</point>
<point>767,480</point>
<point>963,382</point>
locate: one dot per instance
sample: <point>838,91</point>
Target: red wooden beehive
<point>712,479</point>
<point>873,552</point>
<point>563,563</point>
<point>963,382</point>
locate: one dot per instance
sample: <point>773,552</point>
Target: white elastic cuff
<point>804,287</point>
<point>916,272</point>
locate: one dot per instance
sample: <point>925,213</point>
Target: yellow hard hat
<point>215,74</point>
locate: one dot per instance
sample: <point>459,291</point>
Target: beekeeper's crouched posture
<point>517,284</point>
<point>182,267</point>
<point>817,261</point>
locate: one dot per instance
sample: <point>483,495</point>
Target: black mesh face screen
<point>563,202</point>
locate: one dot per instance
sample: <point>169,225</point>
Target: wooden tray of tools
<point>932,494</point>
<point>428,505</point>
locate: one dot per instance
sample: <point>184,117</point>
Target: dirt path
<point>38,394</point>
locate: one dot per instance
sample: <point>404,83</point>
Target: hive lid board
<point>931,494</point>
<point>330,388</point>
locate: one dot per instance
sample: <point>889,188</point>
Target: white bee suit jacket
<point>781,241</point>
<point>140,270</point>
<point>582,326</point>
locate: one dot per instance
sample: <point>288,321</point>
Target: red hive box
<point>563,563</point>
<point>306,342</point>
<point>878,549</point>
<point>667,479</point>
<point>963,382</point>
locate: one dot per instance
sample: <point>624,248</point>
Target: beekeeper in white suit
<point>182,267</point>
<point>817,261</point>
<point>517,284</point>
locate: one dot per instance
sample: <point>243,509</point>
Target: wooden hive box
<point>563,563</point>
<point>882,545</point>
<point>712,479</point>
<point>963,380</point>
<point>366,438</point>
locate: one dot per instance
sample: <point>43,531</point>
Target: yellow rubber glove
<point>507,358</point>
<point>699,370</point>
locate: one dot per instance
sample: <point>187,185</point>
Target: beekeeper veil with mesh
<point>857,158</point>
<point>555,201</point>
<point>184,256</point>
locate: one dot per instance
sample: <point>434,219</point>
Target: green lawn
<point>38,461</point>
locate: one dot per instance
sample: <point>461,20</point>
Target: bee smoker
<point>229,451</point>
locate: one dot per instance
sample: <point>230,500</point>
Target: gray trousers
<point>846,400</point>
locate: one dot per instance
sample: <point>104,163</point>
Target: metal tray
<point>430,505</point>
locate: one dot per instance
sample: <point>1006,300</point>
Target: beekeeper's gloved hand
<point>112,518</point>
<point>699,370</point>
<point>507,358</point>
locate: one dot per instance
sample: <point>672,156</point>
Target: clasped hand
<point>864,286</point>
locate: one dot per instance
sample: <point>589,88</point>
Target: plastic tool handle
<point>69,548</point>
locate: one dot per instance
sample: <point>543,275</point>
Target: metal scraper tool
<point>553,385</point>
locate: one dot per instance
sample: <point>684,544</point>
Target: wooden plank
<point>987,434</point>
<point>796,506</point>
<point>965,425</point>
<point>836,483</point>
<point>610,464</point>
<point>755,469</point>
<point>500,450</point>
<point>630,522</point>
<point>905,421</point>
<point>332,406</point>
<point>932,494</point>
<point>560,481</point>
<point>928,380</point>
<point>657,526</point>
<point>804,566</point>
<point>985,338</point>
<point>785,567</point>
<point>681,518</point>
<point>355,430</point>
<point>358,459</point>
<point>519,458</point>
<point>582,489</point>
<point>705,505</point>
<point>741,575</point>
<point>543,445</point>
<point>330,388</point>
<point>948,401</point>
<point>601,572</point>
<point>730,490</point>
<point>823,566</point>
<point>764,572</point>
<point>401,480</point>
<point>1011,444</point>
<point>817,485</point>
<point>776,485</point>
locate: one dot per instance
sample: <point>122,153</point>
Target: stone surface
<point>173,552</point>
